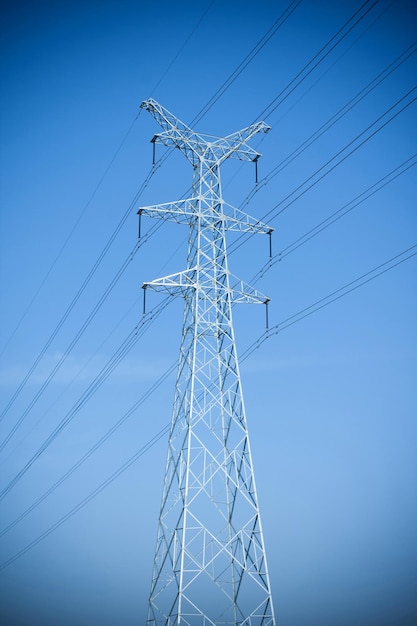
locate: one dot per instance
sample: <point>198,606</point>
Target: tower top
<point>198,147</point>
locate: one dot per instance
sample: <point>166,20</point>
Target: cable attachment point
<point>270,243</point>
<point>153,142</point>
<point>256,170</point>
<point>139,213</point>
<point>144,298</point>
<point>267,313</point>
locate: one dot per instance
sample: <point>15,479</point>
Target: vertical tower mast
<point>210,565</point>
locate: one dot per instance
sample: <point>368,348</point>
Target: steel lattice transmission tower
<point>210,565</point>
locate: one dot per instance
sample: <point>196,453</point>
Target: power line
<point>336,215</point>
<point>258,185</point>
<point>98,185</point>
<point>394,65</point>
<point>272,214</point>
<point>364,279</point>
<point>332,65</point>
<point>235,246</point>
<point>64,356</point>
<point>105,372</point>
<point>109,243</point>
<point>236,72</point>
<point>251,55</point>
<point>336,117</point>
<point>261,43</point>
<point>279,22</point>
<point>80,332</point>
<point>374,132</point>
<point>388,178</point>
<point>77,296</point>
<point>92,495</point>
<point>64,245</point>
<point>94,448</point>
<point>352,204</point>
<point>265,112</point>
<point>84,366</point>
<point>183,45</point>
<point>323,304</point>
<point>381,269</point>
<point>359,199</point>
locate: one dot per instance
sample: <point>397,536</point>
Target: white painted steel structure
<point>210,566</point>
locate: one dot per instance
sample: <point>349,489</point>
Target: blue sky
<point>330,399</point>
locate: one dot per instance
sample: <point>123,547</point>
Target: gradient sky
<point>331,400</point>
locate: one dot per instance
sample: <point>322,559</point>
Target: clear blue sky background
<point>331,399</point>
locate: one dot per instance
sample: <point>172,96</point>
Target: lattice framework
<point>210,565</point>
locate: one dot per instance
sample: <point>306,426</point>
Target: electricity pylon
<point>210,565</point>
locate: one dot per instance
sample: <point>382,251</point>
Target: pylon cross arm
<point>180,283</point>
<point>164,118</point>
<point>174,284</point>
<point>186,211</point>
<point>189,144</point>
<point>244,293</point>
<point>235,145</point>
<point>180,211</point>
<point>237,220</point>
